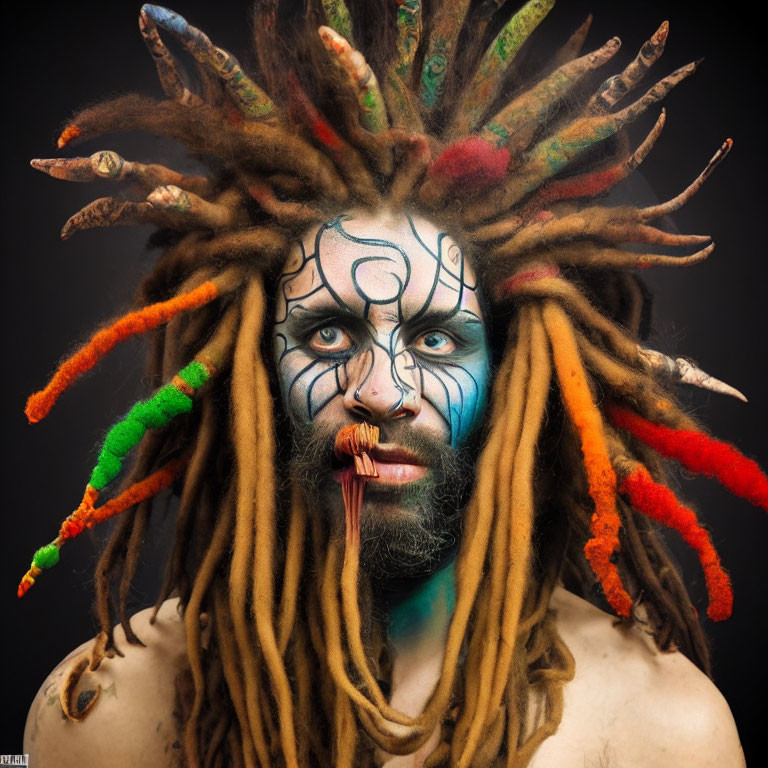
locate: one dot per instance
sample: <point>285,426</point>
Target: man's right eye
<point>330,340</point>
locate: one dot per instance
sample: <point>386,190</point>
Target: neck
<point>419,614</point>
<point>420,610</point>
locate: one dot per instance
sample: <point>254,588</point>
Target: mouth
<point>395,466</point>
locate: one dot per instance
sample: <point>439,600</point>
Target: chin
<point>393,511</point>
<point>405,531</point>
<point>383,505</point>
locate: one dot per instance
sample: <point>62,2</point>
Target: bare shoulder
<point>641,706</point>
<point>131,721</point>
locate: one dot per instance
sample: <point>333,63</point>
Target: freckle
<point>176,745</point>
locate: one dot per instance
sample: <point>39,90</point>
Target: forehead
<point>361,261</point>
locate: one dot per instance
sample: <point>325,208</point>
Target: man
<point>454,643</point>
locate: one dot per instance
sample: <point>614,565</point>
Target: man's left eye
<point>434,343</point>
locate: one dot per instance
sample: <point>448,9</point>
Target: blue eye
<point>330,339</point>
<point>435,343</point>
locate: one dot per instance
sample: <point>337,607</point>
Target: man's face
<point>378,320</point>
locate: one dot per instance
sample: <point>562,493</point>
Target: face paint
<point>378,319</point>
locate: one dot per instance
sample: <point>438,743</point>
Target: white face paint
<point>378,319</point>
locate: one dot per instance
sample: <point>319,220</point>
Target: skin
<point>378,318</point>
<point>629,705</point>
<point>135,720</point>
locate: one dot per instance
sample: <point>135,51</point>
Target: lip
<point>391,453</point>
<point>397,473</point>
<point>396,466</point>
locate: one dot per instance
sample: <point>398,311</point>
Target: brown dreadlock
<point>291,673</point>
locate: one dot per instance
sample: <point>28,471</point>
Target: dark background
<point>59,58</point>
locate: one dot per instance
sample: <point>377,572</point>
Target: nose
<point>381,387</point>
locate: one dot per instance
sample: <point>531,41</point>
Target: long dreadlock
<point>291,674</point>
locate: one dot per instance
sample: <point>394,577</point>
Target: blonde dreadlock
<point>291,673</point>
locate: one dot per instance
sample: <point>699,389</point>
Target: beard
<point>406,531</point>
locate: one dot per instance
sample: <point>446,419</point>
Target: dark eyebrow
<point>302,319</point>
<point>321,301</point>
<point>446,317</point>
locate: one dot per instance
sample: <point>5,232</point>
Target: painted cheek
<point>406,374</point>
<point>307,383</point>
<point>482,375</point>
<point>459,392</point>
<point>469,411</point>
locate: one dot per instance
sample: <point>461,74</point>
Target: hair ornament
<point>86,516</point>
<point>684,371</point>
<point>490,72</point>
<point>448,21</point>
<point>617,86</point>
<point>660,504</point>
<point>156,412</point>
<point>251,100</point>
<point>106,164</point>
<point>373,110</point>
<point>134,323</point>
<point>697,452</point>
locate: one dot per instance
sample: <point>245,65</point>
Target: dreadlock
<point>291,673</point>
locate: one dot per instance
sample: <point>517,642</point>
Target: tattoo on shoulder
<point>111,690</point>
<point>84,698</point>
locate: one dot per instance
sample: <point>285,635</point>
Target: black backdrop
<point>59,58</point>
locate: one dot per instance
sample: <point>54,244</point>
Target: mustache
<point>427,530</point>
<point>316,443</point>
